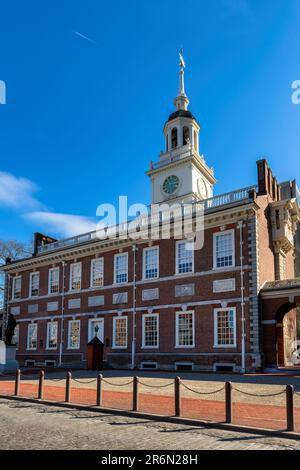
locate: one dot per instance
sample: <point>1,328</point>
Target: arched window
<point>185,135</point>
<point>167,143</point>
<point>174,138</point>
<point>196,141</point>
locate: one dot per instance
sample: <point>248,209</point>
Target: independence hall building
<point>157,304</point>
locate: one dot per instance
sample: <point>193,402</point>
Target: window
<point>174,138</point>
<point>74,334</point>
<point>185,329</point>
<point>150,330</point>
<point>97,272</point>
<point>75,276</point>
<point>96,328</point>
<point>52,335</point>
<point>148,365</point>
<point>224,249</point>
<point>16,288</point>
<point>121,268</point>
<point>150,263</point>
<point>32,336</point>
<point>184,366</point>
<point>225,327</point>
<point>185,135</point>
<point>15,338</point>
<point>34,284</point>
<point>120,332</point>
<point>53,287</point>
<point>184,257</point>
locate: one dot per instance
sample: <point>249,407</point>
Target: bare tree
<point>14,250</point>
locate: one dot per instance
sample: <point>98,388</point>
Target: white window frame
<point>34,273</point>
<point>218,234</point>
<point>49,323</point>
<point>91,332</point>
<point>177,345</point>
<point>29,326</point>
<point>93,261</point>
<point>13,287</point>
<point>69,336</point>
<point>147,315</point>
<point>115,319</point>
<point>70,284</point>
<point>145,250</point>
<point>118,255</point>
<point>51,270</point>
<point>17,329</point>
<point>216,344</point>
<point>178,242</point>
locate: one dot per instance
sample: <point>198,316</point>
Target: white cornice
<point>213,219</point>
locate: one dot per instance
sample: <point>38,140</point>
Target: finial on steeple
<point>181,101</point>
<point>182,67</point>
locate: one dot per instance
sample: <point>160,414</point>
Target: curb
<point>167,419</point>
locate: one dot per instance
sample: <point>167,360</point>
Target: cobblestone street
<point>35,426</point>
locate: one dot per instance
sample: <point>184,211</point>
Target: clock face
<point>170,184</point>
<point>203,188</point>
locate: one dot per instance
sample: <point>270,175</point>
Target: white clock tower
<point>181,174</point>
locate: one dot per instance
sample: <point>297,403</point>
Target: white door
<point>96,328</point>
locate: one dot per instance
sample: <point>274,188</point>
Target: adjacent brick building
<point>156,303</point>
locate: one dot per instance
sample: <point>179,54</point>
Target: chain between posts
<point>117,385</point>
<point>261,395</point>
<point>202,393</point>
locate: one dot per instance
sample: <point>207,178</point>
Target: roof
<point>181,113</point>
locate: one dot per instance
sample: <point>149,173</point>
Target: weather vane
<point>182,62</point>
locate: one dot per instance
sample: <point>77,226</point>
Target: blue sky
<point>84,116</point>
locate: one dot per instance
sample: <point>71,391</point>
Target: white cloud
<point>18,193</point>
<point>65,225</point>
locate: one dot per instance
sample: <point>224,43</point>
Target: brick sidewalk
<point>249,414</point>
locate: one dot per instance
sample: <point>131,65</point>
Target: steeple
<point>181,174</point>
<point>181,100</point>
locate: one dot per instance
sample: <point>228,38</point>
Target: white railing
<point>228,198</point>
<point>117,231</point>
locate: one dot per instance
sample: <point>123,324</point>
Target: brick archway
<point>279,303</point>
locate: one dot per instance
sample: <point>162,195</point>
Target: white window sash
<point>115,321</point>
<point>73,268</point>
<point>150,315</point>
<point>177,336</point>
<point>16,336</point>
<point>123,272</point>
<point>215,237</point>
<point>71,323</point>
<point>183,242</point>
<point>93,279</point>
<point>49,326</point>
<point>50,280</point>
<point>156,267</point>
<point>14,291</point>
<point>216,336</point>
<point>32,327</point>
<point>33,275</point>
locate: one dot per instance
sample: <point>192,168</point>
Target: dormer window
<point>185,135</point>
<point>174,138</point>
